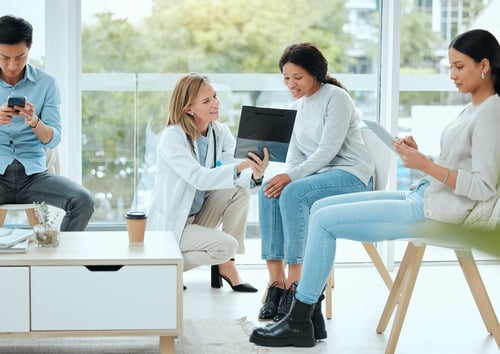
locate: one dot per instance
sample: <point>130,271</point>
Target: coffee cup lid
<point>135,215</point>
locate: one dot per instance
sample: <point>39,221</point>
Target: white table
<point>94,284</point>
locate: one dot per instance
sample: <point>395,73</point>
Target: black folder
<point>264,127</point>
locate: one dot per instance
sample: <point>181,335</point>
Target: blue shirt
<point>17,140</point>
<point>199,197</point>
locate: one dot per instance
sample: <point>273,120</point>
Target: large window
<point>428,98</point>
<point>132,59</point>
<point>132,52</point>
<point>32,11</point>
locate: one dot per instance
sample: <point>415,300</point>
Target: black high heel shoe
<point>216,278</point>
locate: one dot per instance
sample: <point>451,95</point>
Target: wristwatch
<point>257,182</point>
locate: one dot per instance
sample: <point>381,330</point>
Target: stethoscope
<point>216,162</point>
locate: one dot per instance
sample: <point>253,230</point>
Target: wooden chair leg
<point>478,290</point>
<point>379,264</point>
<point>328,296</point>
<point>30,214</point>
<point>404,299</point>
<point>395,292</point>
<point>3,214</point>
<point>32,219</point>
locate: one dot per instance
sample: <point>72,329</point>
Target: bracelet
<point>446,177</point>
<point>36,125</point>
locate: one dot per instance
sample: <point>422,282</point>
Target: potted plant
<point>47,231</point>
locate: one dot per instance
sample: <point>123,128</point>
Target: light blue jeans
<point>283,221</point>
<point>364,217</point>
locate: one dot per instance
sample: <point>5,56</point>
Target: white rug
<point>209,336</point>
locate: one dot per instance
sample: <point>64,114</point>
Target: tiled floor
<point>442,317</point>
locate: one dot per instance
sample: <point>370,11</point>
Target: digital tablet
<point>381,133</point>
<point>265,127</point>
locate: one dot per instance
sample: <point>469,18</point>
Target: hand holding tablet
<point>382,134</point>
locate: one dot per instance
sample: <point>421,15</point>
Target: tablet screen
<point>265,127</point>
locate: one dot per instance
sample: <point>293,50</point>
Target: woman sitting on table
<point>466,172</point>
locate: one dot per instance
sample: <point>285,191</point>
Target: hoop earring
<point>483,75</point>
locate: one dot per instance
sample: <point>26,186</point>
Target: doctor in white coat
<point>199,186</point>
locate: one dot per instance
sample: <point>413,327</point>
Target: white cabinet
<point>103,297</point>
<point>15,299</point>
<point>94,283</point>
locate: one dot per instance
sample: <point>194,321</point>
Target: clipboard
<point>265,127</point>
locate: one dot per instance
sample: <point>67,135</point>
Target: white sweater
<point>326,135</point>
<point>470,145</point>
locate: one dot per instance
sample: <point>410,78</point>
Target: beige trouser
<point>203,242</point>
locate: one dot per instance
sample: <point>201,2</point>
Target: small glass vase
<point>46,236</point>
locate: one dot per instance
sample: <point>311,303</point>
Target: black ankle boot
<point>270,307</point>
<point>285,302</point>
<point>296,329</point>
<point>318,320</point>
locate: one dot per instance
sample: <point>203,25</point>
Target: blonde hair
<point>185,91</point>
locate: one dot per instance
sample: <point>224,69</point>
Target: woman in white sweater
<point>199,186</point>
<point>465,173</point>
<point>326,157</point>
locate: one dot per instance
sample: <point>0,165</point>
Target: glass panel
<point>31,11</point>
<point>132,57</point>
<point>428,98</point>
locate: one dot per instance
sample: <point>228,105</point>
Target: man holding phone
<point>29,123</point>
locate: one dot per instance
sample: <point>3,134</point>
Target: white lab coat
<point>179,174</point>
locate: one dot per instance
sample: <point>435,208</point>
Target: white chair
<point>52,163</point>
<point>381,155</point>
<point>400,294</point>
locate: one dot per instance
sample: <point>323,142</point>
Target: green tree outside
<point>212,36</point>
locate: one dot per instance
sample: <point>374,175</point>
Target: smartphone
<point>16,101</point>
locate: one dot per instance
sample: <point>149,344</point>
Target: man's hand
<point>28,112</point>
<point>6,114</point>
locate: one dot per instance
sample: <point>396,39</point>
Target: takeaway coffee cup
<point>136,226</point>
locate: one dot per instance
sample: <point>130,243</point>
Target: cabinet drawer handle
<point>104,268</point>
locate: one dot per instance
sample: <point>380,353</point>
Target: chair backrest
<point>495,214</point>
<point>52,160</point>
<point>381,156</point>
<point>485,213</point>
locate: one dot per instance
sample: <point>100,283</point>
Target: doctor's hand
<point>258,165</point>
<point>276,184</point>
